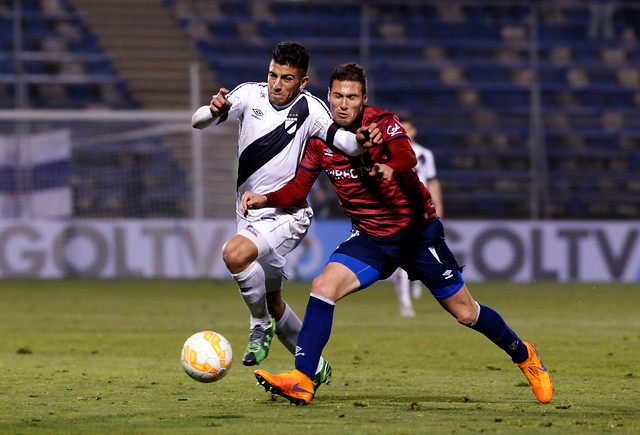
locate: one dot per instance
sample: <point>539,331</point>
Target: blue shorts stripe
<point>448,291</point>
<point>366,274</point>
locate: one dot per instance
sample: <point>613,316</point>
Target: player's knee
<point>465,320</point>
<point>235,257</point>
<point>322,286</point>
<point>466,315</point>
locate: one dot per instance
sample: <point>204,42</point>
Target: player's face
<point>285,83</point>
<point>347,101</point>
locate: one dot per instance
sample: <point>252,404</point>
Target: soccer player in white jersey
<point>276,118</point>
<point>426,169</point>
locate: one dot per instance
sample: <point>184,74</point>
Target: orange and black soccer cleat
<point>293,385</point>
<point>537,375</point>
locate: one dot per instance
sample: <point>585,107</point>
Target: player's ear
<point>304,82</point>
<point>365,97</point>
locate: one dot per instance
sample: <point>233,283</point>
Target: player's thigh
<point>366,258</point>
<point>277,234</point>
<point>431,261</point>
<point>294,231</point>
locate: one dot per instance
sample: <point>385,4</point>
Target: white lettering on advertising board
<point>505,250</point>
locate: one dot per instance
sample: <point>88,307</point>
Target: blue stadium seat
<point>77,45</point>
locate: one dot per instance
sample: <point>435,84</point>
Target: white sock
<point>402,288</point>
<point>287,329</point>
<point>416,289</point>
<point>252,289</point>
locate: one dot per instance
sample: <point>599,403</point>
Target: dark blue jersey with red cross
<point>376,206</point>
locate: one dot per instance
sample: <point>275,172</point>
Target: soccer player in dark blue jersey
<point>394,225</point>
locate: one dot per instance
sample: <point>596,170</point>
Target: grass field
<point>98,357</point>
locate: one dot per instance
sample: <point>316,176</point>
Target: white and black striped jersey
<point>426,166</point>
<point>272,139</point>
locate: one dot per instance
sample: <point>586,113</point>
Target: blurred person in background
<point>426,169</point>
<point>601,19</point>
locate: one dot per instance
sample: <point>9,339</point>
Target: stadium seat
<point>484,97</point>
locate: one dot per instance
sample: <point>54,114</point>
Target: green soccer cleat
<point>259,344</point>
<point>322,375</point>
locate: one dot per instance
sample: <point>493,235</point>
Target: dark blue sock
<point>491,324</point>
<point>314,335</point>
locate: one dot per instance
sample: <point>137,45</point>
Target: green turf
<point>100,357</point>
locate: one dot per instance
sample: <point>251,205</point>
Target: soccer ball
<point>206,356</point>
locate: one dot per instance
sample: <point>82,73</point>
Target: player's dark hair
<point>349,72</point>
<point>292,54</point>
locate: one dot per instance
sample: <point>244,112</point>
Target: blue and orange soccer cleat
<point>293,385</point>
<point>537,375</point>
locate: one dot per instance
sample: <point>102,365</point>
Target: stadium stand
<point>148,48</point>
<point>62,64</point>
<point>520,103</point>
<point>75,56</point>
<point>468,72</point>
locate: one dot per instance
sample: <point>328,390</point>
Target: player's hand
<point>369,136</point>
<point>380,170</point>
<point>252,201</point>
<point>219,104</point>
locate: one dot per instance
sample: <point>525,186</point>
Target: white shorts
<point>276,234</point>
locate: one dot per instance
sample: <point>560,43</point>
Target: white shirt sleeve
<point>202,118</point>
<point>325,129</point>
<point>346,141</point>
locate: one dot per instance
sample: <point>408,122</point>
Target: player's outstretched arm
<point>205,115</point>
<point>251,201</point>
<point>356,144</point>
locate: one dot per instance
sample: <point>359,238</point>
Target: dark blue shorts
<point>422,252</point>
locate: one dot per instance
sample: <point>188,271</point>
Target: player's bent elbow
<point>197,123</point>
<point>200,124</point>
<point>202,118</point>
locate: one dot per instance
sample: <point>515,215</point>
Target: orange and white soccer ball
<point>206,356</point>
